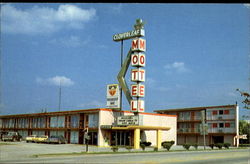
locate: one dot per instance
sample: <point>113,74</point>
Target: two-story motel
<point>106,127</point>
<point>222,124</point>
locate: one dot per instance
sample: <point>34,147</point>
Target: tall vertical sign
<point>138,60</point>
<point>136,57</point>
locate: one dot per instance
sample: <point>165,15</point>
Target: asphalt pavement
<point>24,153</point>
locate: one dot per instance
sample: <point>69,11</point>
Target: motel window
<point>232,111</point>
<point>221,125</point>
<point>220,112</point>
<point>9,123</point>
<point>23,133</point>
<point>93,120</point>
<point>61,121</point>
<point>215,112</point>
<point>74,135</point>
<point>38,122</point>
<point>215,125</point>
<point>56,133</point>
<point>57,121</point>
<point>23,123</point>
<point>227,125</point>
<point>226,111</point>
<point>39,133</point>
<point>186,115</point>
<point>74,122</point>
<point>232,125</point>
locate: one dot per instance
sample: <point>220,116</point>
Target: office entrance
<point>218,139</point>
<point>121,138</point>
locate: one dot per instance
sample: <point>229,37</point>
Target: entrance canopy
<point>133,127</point>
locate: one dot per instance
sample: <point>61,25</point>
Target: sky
<point>197,54</point>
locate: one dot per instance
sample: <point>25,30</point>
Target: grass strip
<point>124,152</point>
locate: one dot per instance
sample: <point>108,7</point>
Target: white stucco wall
<point>108,117</point>
<point>160,121</point>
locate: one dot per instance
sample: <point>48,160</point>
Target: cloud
<point>178,67</point>
<point>55,81</point>
<point>117,8</point>
<point>71,41</point>
<point>39,20</point>
<point>247,5</point>
<point>150,82</point>
<point>92,104</point>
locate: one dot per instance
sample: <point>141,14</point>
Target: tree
<point>244,128</point>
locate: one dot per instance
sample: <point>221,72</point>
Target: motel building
<point>221,121</point>
<point>106,127</point>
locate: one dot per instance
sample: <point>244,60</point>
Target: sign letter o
<point>142,59</point>
<point>135,59</point>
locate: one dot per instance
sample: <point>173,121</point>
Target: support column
<point>159,138</point>
<point>137,139</point>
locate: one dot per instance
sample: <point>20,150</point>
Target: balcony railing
<point>188,130</point>
<point>222,130</point>
<point>220,117</point>
<point>195,118</point>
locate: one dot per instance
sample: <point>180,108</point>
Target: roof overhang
<point>139,127</point>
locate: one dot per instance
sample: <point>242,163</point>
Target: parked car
<point>12,136</point>
<point>31,138</point>
<point>41,139</point>
<point>57,139</point>
<point>2,133</point>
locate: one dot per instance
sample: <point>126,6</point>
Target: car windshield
<point>10,133</point>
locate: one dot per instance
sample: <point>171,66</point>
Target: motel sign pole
<point>121,67</point>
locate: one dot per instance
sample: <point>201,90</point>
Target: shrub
<point>227,145</point>
<point>146,143</point>
<point>169,142</point>
<point>186,146</point>
<point>195,146</point>
<point>219,145</point>
<point>155,149</point>
<point>129,148</point>
<point>244,145</point>
<point>167,146</point>
<point>115,148</point>
<point>143,146</point>
<point>211,146</point>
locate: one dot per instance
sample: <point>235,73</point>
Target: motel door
<point>121,138</point>
<point>218,139</point>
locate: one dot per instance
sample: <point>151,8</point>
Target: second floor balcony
<point>188,130</point>
<point>222,130</point>
<point>220,117</point>
<point>195,118</point>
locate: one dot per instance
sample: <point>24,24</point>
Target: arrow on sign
<point>121,76</point>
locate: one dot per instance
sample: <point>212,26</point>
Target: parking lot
<point>20,150</point>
